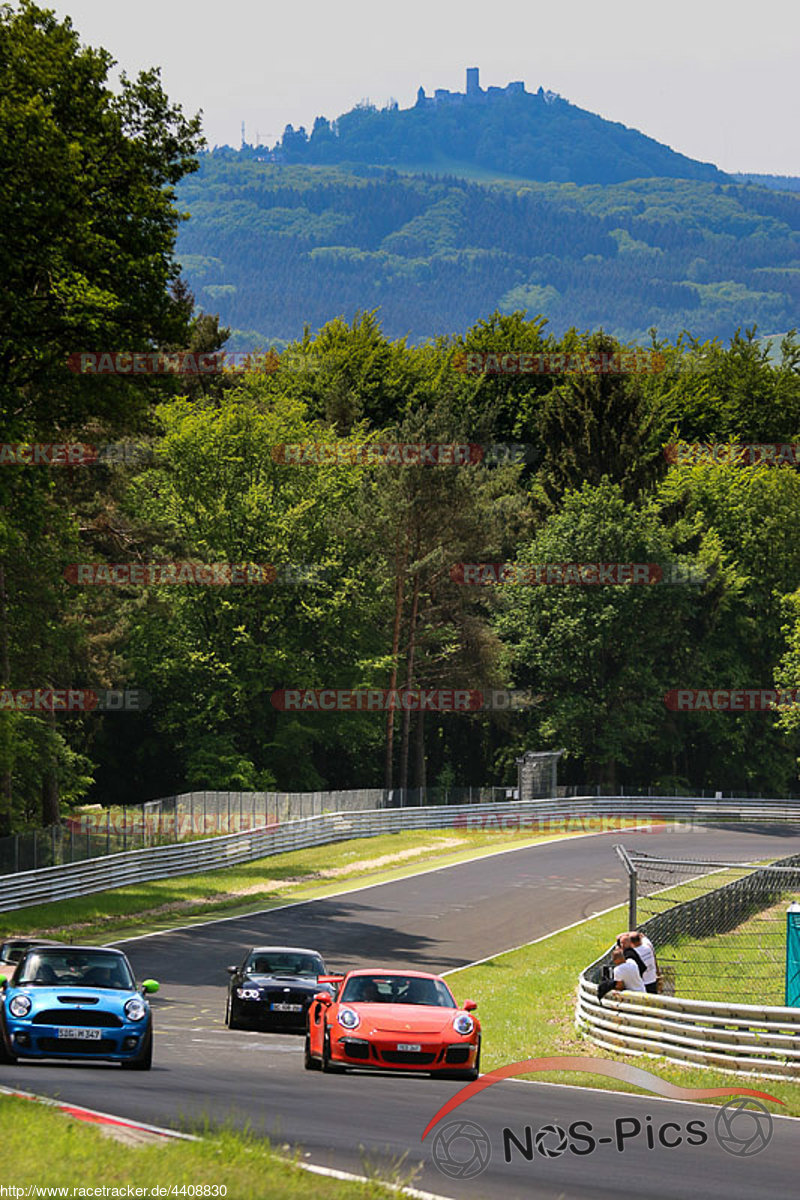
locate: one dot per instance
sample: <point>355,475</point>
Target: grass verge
<point>82,1156</point>
<point>262,884</point>
<point>526,1004</point>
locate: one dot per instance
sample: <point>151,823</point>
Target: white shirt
<point>628,973</point>
<point>647,955</point>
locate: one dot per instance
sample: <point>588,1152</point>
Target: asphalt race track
<point>437,920</point>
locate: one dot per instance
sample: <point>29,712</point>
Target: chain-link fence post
<point>632,884</point>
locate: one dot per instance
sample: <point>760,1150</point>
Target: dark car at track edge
<point>274,987</point>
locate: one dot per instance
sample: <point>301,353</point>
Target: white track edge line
<point>649,1096</point>
<point>554,933</point>
<point>401,1189</point>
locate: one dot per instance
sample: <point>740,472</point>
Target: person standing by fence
<point>625,975</point>
<point>639,942</point>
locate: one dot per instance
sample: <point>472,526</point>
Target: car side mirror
<point>470,1006</point>
<point>232,970</point>
<point>324,997</point>
<point>150,985</point>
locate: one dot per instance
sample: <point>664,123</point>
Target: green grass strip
<point>43,1148</point>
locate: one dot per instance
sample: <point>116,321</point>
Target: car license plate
<point>81,1035</point>
<point>286,1007</point>
<point>412,1046</point>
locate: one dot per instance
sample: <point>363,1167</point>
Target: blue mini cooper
<point>76,1002</point>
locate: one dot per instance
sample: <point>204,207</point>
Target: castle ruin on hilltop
<point>476,94</point>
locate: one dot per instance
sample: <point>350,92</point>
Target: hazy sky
<point>717,81</point>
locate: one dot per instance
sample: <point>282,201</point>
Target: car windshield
<point>12,952</point>
<point>280,962</point>
<point>78,968</point>
<point>397,989</point>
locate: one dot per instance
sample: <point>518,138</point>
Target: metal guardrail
<point>94,831</point>
<point>588,814</point>
<point>744,1039</point>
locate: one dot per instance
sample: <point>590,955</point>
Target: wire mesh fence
<point>719,929</point>
<point>97,831</point>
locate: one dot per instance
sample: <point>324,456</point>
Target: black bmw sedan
<point>273,988</point>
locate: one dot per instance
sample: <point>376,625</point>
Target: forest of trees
<point>367,592</point>
<point>272,248</point>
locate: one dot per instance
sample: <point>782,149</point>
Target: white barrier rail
<point>52,884</point>
<point>745,1039</point>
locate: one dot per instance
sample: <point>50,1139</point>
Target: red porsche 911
<point>396,1021</point>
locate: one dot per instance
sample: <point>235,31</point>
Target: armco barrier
<point>745,1039</point>
<point>583,813</point>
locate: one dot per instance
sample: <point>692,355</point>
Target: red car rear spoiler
<point>335,979</point>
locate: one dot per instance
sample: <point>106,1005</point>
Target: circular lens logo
<point>743,1127</point>
<point>461,1150</point>
<point>551,1141</point>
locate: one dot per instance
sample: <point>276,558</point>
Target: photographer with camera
<point>625,975</point>
<point>641,947</point>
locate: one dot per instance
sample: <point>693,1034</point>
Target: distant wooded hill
<point>274,247</point>
<point>531,135</point>
<point>779,183</point>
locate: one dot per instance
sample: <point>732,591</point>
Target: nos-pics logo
<point>462,1149</point>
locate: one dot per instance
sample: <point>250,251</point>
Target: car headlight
<point>135,1009</point>
<point>463,1024</point>
<point>248,993</point>
<point>349,1018</point>
<point>20,1006</point>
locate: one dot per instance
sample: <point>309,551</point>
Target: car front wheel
<point>6,1058</point>
<point>331,1068</point>
<point>309,1062</point>
<point>467,1076</point>
<point>232,1019</point>
<point>144,1059</point>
